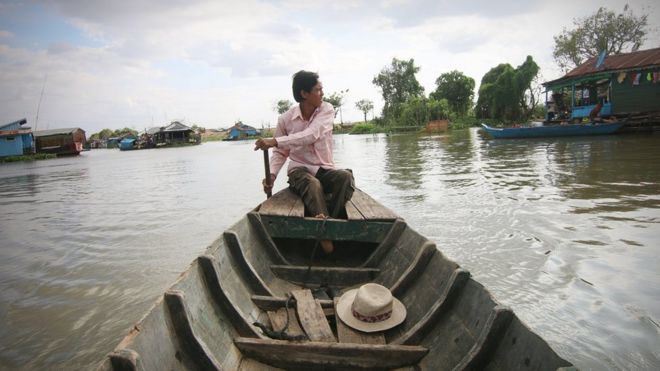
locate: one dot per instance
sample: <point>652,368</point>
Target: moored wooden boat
<point>554,130</point>
<point>206,320</point>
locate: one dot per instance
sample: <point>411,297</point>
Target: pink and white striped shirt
<point>306,143</point>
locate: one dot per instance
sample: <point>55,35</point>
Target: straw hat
<point>370,308</point>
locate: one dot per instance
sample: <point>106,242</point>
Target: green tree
<point>398,85</point>
<point>602,31</point>
<point>418,111</point>
<point>364,105</point>
<point>503,90</point>
<point>282,106</point>
<point>457,89</point>
<point>415,112</point>
<point>337,101</point>
<point>120,132</point>
<point>103,134</point>
<point>438,109</point>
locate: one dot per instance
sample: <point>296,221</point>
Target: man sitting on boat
<point>304,135</point>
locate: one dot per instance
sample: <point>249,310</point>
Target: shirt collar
<point>297,113</point>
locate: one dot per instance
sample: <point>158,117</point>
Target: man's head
<point>307,87</point>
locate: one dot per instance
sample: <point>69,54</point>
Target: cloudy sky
<point>144,63</point>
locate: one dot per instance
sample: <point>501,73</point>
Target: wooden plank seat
<point>330,229</point>
<point>361,206</point>
<point>326,355</point>
<point>283,203</point>
<point>269,303</point>
<point>329,276</point>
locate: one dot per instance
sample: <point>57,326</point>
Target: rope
<point>282,334</point>
<point>316,247</point>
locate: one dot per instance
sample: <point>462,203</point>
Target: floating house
<point>67,141</point>
<point>16,139</point>
<point>174,133</point>
<point>241,131</point>
<point>627,86</point>
<point>127,144</point>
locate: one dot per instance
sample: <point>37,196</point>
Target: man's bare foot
<point>327,246</point>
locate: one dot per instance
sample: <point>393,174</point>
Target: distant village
<point>18,139</point>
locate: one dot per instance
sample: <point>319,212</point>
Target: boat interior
<point>263,296</point>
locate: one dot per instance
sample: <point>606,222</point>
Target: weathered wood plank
<point>191,344</point>
<point>276,302</point>
<point>330,229</point>
<point>416,333</point>
<point>283,203</point>
<point>249,364</point>
<point>245,268</point>
<point>390,240</point>
<point>349,335</point>
<point>267,242</point>
<point>329,276</point>
<point>321,355</point>
<point>352,212</point>
<point>208,265</point>
<point>478,357</point>
<point>370,208</point>
<point>311,316</point>
<point>278,320</point>
<point>415,269</point>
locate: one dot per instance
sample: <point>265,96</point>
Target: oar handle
<point>267,172</point>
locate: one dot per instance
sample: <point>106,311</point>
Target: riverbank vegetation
<point>32,157</point>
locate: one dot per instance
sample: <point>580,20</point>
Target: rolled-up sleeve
<point>321,123</point>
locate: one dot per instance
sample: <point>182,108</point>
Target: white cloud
<point>212,62</point>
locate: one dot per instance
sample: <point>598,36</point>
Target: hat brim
<point>346,315</point>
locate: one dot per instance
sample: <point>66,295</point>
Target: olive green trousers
<point>324,193</point>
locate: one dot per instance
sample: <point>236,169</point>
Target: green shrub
<point>365,128</point>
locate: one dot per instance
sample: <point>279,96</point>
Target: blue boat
<point>554,130</point>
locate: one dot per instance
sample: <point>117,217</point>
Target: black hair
<point>303,80</point>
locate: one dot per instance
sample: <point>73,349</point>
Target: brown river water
<point>564,231</point>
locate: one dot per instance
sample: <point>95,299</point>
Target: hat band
<point>372,319</point>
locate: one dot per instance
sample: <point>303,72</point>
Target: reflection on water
<point>562,230</point>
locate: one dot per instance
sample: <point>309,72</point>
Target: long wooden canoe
<point>570,130</point>
<point>205,321</point>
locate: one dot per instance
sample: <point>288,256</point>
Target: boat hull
<point>554,130</point>
<point>206,320</point>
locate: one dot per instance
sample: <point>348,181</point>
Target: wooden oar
<point>267,171</point>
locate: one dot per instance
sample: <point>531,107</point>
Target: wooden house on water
<point>174,133</point>
<point>16,139</point>
<point>68,141</point>
<point>626,85</point>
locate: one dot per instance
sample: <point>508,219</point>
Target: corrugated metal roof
<point>619,62</point>
<point>154,130</point>
<point>19,122</point>
<point>45,133</point>
<point>176,126</point>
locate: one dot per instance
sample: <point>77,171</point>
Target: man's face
<point>315,96</point>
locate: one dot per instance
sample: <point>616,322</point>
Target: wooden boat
<point>206,320</point>
<point>554,130</point>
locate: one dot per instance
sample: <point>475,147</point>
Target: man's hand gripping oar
<point>269,178</point>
